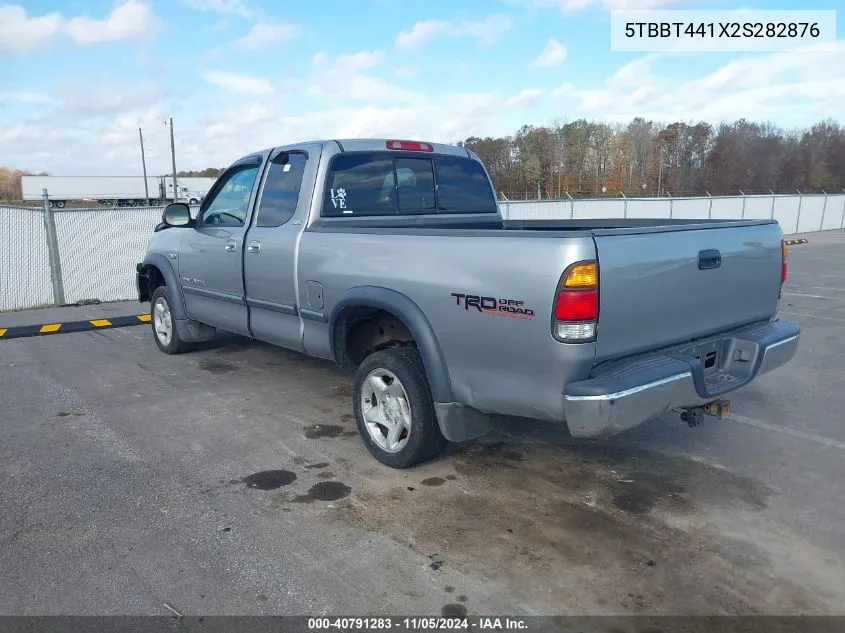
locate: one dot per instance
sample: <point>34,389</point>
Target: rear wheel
<point>164,326</point>
<point>394,409</point>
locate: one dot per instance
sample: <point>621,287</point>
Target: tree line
<point>584,158</point>
<point>208,172</point>
<point>644,158</point>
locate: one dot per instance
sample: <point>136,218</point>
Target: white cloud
<point>485,32</point>
<point>95,96</point>
<point>552,55</point>
<point>348,63</point>
<point>524,97</point>
<point>21,33</point>
<point>781,87</point>
<point>225,7</point>
<point>26,97</point>
<point>236,82</point>
<point>350,77</point>
<point>263,35</point>
<point>130,20</point>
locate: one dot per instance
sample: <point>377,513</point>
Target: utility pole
<point>173,158</point>
<point>144,165</point>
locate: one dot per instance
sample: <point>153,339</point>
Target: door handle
<point>254,246</point>
<point>231,245</point>
<point>708,259</point>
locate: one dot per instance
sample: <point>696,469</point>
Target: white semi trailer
<point>121,191</point>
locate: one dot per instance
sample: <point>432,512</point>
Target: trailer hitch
<point>694,416</point>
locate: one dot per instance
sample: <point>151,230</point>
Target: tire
<point>404,404</point>
<point>165,334</point>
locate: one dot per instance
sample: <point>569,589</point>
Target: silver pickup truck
<point>392,258</point>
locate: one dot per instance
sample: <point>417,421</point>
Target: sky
<point>77,79</point>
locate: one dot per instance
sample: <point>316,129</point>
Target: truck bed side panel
<point>498,361</point>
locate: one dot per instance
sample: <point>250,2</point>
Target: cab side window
<point>230,203</point>
<point>280,196</point>
<point>462,186</point>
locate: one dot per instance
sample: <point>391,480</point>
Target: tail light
<point>784,252</point>
<point>576,308</point>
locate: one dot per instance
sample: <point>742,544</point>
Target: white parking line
<point>809,316</point>
<point>820,288</point>
<point>804,294</point>
<point>785,430</point>
<point>820,276</point>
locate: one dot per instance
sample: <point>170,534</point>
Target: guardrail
<point>57,257</point>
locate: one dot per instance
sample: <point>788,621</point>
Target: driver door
<point>211,255</point>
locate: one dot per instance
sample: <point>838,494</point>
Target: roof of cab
<point>361,145</point>
<point>380,144</point>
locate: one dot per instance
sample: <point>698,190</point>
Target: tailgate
<point>661,288</point>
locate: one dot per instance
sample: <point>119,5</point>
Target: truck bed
<point>484,226</point>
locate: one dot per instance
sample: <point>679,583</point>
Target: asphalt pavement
<point>231,480</point>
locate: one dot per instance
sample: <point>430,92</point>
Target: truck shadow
<point>565,525</point>
<point>572,526</point>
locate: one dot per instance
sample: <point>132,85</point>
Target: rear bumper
<point>624,394</point>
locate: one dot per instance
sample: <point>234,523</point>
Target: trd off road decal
<point>491,305</point>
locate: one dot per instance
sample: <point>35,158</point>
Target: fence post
<point>624,205</point>
<point>824,208</point>
<point>507,215</point>
<point>842,219</point>
<point>710,208</point>
<point>798,217</point>
<point>671,204</point>
<point>742,213</point>
<point>571,206</point>
<point>773,204</point>
<point>53,250</point>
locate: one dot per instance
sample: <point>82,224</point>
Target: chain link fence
<point>24,260</point>
<point>94,250</point>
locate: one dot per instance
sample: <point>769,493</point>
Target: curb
<point>796,241</point>
<point>45,329</point>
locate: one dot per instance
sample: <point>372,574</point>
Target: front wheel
<point>164,325</point>
<point>394,409</point>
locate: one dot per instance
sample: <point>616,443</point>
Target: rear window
<point>374,184</point>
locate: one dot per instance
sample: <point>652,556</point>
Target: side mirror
<point>177,214</point>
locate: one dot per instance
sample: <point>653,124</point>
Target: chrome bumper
<point>624,394</point>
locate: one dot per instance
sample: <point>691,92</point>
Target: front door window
<point>230,203</point>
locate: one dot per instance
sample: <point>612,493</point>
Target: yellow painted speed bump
<point>22,331</point>
<point>797,241</point>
